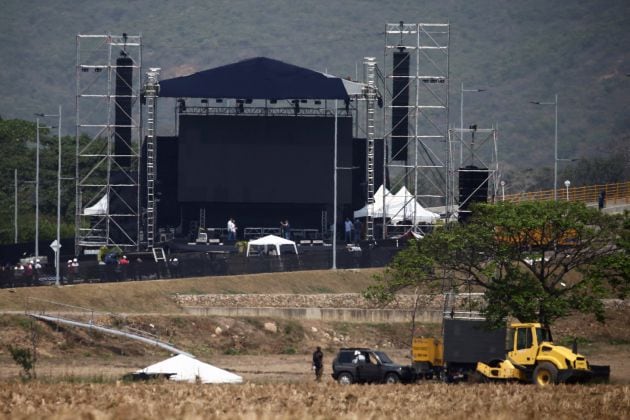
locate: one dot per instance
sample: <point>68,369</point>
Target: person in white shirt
<point>231,228</point>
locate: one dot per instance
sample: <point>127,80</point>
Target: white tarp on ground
<point>399,206</point>
<point>273,241</point>
<point>187,369</point>
<point>97,209</point>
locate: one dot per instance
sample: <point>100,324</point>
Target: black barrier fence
<point>197,265</point>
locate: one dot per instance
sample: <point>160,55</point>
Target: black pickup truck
<point>361,365</point>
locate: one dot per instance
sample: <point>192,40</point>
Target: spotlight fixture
<point>84,69</point>
<point>97,69</point>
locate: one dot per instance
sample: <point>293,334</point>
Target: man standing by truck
<point>318,363</point>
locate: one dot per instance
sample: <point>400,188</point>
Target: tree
<point>527,259</point>
<point>615,268</point>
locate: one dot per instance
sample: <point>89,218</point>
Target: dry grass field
<point>79,371</point>
<point>310,401</point>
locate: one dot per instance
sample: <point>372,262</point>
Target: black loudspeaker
<point>473,186</point>
<point>122,132</point>
<point>400,98</point>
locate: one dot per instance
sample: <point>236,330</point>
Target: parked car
<point>362,365</point>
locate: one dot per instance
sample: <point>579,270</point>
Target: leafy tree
<point>615,268</point>
<point>520,255</point>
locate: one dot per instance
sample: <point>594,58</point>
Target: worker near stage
<point>348,226</point>
<point>318,363</point>
<point>231,229</point>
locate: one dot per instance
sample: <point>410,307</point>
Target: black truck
<point>363,365</point>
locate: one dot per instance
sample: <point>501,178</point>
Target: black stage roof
<point>255,78</point>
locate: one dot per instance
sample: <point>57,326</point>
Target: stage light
<point>303,101</point>
<point>84,69</point>
<point>248,101</point>
<point>273,101</point>
<point>181,105</point>
<point>318,102</point>
<point>204,101</point>
<point>219,100</point>
<point>97,70</point>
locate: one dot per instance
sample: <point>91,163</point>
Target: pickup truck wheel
<point>392,378</point>
<point>345,378</point>
<point>545,374</point>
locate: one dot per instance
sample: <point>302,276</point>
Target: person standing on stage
<point>231,229</point>
<point>348,226</point>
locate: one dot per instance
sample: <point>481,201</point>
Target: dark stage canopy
<point>255,78</point>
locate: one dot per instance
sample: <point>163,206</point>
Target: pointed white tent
<point>405,206</point>
<point>399,206</point>
<point>270,241</point>
<point>376,209</point>
<point>186,369</point>
<point>99,208</point>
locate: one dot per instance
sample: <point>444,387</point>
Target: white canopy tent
<point>273,241</point>
<point>399,206</point>
<point>97,209</point>
<point>186,369</point>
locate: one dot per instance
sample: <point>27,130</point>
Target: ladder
<point>151,88</point>
<point>158,254</point>
<point>370,96</point>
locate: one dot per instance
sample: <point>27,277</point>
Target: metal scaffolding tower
<point>108,141</point>
<point>480,165</point>
<point>416,115</point>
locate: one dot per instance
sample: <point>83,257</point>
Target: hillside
<point>518,51</point>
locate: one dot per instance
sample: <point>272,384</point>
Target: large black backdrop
<point>258,170</point>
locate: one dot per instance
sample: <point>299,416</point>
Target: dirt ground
<point>261,350</point>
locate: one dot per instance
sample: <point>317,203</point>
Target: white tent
<point>187,369</point>
<point>99,208</point>
<point>399,206</point>
<point>406,207</point>
<point>273,241</point>
<point>376,209</point>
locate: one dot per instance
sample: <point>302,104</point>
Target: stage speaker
<point>122,131</point>
<point>473,186</point>
<point>400,98</point>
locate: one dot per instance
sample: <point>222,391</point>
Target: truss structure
<point>424,171</point>
<point>107,188</point>
<point>479,151</point>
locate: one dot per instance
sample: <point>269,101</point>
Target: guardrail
<point>618,193</point>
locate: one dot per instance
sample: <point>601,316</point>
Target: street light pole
<point>15,206</point>
<point>567,184</point>
<point>555,154</point>
<point>555,145</point>
<point>58,251</point>
<point>37,193</point>
<point>502,190</point>
<point>57,242</point>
